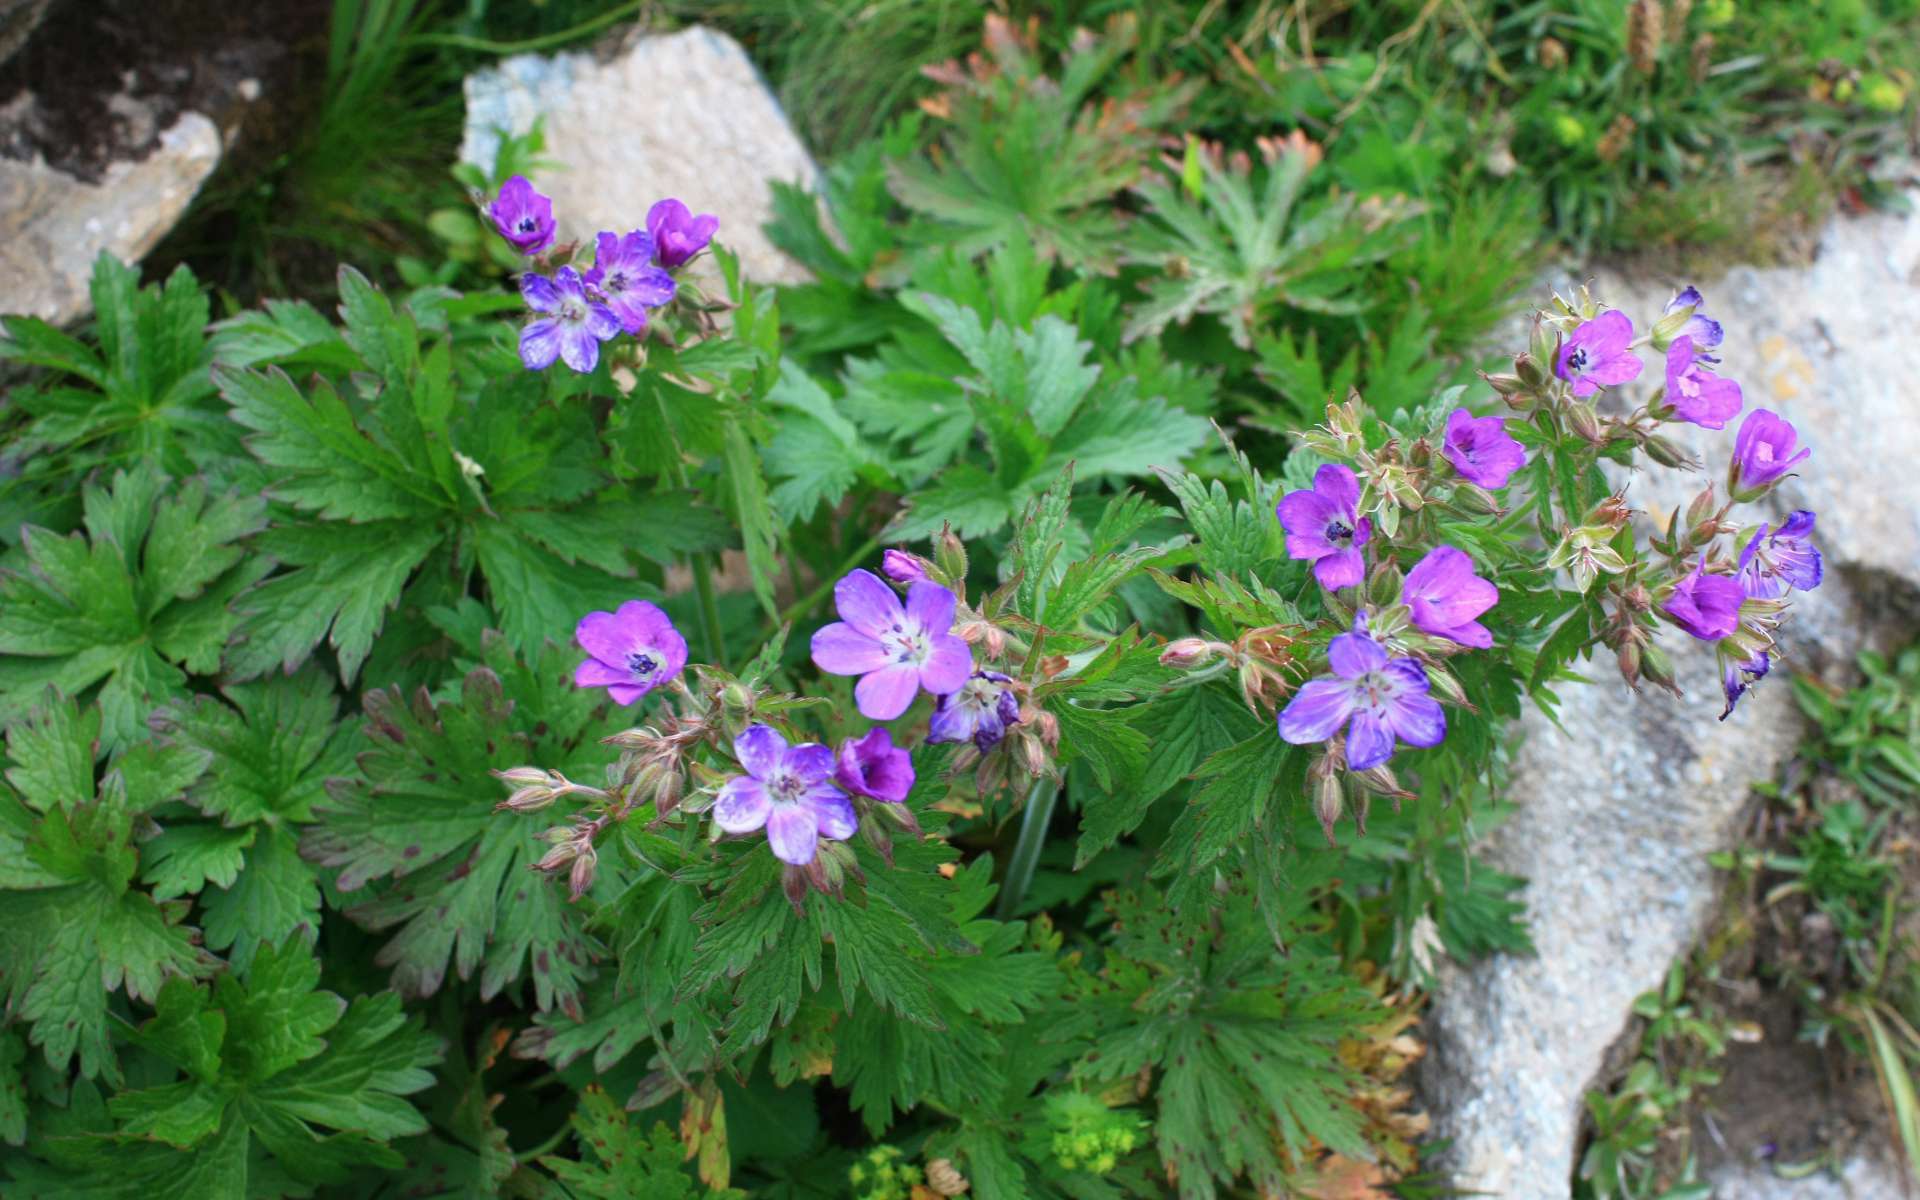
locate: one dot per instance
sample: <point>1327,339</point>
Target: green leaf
<point>747,490</point>
<point>620,1161</point>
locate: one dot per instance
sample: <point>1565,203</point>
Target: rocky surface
<point>1862,1178</point>
<point>683,115</point>
<point>1617,809</point>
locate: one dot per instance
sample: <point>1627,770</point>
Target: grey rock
<point>52,226</point>
<point>1617,810</point>
<point>1863,1177</point>
<point>682,115</point>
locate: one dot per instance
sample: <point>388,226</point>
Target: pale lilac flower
<point>1599,353</point>
<point>1784,559</point>
<point>634,649</point>
<point>980,712</point>
<point>1323,528</point>
<point>902,567</point>
<point>678,235</point>
<point>1375,698</point>
<point>1697,394</point>
<point>895,651</point>
<point>1739,677</point>
<point>1763,451</point>
<point>1706,606</point>
<point>625,277</point>
<point>523,216</point>
<point>874,767</point>
<point>1704,330</point>
<point>1444,597</point>
<point>1481,449</point>
<point>788,791</point>
<point>574,330</point>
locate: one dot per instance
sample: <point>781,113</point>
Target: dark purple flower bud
<point>1376,698</point>
<point>1323,527</point>
<point>979,712</point>
<point>1444,597</point>
<point>902,567</point>
<point>1704,330</point>
<point>1481,449</point>
<point>1599,353</point>
<point>575,327</point>
<point>1763,452</point>
<point>873,766</point>
<point>1706,606</point>
<point>626,279</point>
<point>896,651</point>
<point>788,791</point>
<point>678,235</point>
<point>1738,677</point>
<point>1784,559</point>
<point>523,216</point>
<point>1695,393</point>
<point>634,649</point>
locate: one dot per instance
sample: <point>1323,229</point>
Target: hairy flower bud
<point>1182,653</point>
<point>1583,420</point>
<point>943,1179</point>
<point>1658,668</point>
<point>1668,454</point>
<point>533,788</point>
<point>1504,385</point>
<point>581,877</point>
<point>950,555</point>
<point>1476,500</point>
<point>1551,54</point>
<point>1628,657</point>
<point>1613,512</point>
<point>1646,29</point>
<point>1528,368</point>
<point>1329,801</point>
<point>1447,685</point>
<point>902,567</point>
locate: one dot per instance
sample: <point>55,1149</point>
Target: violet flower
<point>1323,527</point>
<point>788,791</point>
<point>895,652</point>
<point>1444,597</point>
<point>1763,451</point>
<point>678,235</point>
<point>1739,678</point>
<point>874,767</point>
<point>1773,563</point>
<point>634,649</point>
<point>624,275</point>
<point>1704,330</point>
<point>1481,449</point>
<point>522,216</point>
<point>902,567</point>
<point>1695,393</point>
<point>574,330</point>
<point>1376,698</point>
<point>979,712</point>
<point>1599,352</point>
<point>1706,606</point>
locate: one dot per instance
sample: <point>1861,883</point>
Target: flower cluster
<point>630,276</point>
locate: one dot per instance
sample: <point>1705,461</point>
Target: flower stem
<point>700,564</point>
<point>1026,852</point>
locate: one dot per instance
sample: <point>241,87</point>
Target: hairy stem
<point>1026,852</point>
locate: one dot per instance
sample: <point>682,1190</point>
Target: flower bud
<point>1628,657</point>
<point>1668,454</point>
<point>1044,723</point>
<point>1182,653</point>
<point>1613,512</point>
<point>1658,668</point>
<point>1505,385</point>
<point>1329,801</point>
<point>1551,53</point>
<point>1636,599</point>
<point>564,850</point>
<point>902,567</point>
<point>581,877</point>
<point>1448,685</point>
<point>1397,482</point>
<point>1474,499</point>
<point>736,699</point>
<point>950,555</point>
<point>1383,587</point>
<point>533,788</point>
<point>944,1180</point>
<point>1527,367</point>
<point>1583,420</point>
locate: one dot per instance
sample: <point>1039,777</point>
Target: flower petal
<point>609,636</point>
<point>539,293</point>
<point>540,344</point>
<point>579,349</point>
<point>1419,720</point>
<point>865,602</point>
<point>884,694</point>
<point>1316,712</point>
<point>1352,655</point>
<point>793,833</point>
<point>840,649</point>
<point>760,749</point>
<point>1340,570</point>
<point>743,805</point>
<point>594,673</point>
<point>930,606</point>
<point>809,762</point>
<point>832,812</point>
<point>1337,482</point>
<point>651,286</point>
<point>1307,514</point>
<point>627,693</point>
<point>948,667</point>
<point>1369,741</point>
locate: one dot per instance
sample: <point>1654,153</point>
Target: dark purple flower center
<point>784,787</point>
<point>641,663</point>
<point>527,225</point>
<point>1339,532</point>
<point>908,644</point>
<point>1577,360</point>
<point>1373,690</point>
<point>614,283</point>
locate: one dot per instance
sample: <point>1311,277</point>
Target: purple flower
<point>575,329</point>
<point>1763,451</point>
<point>624,275</point>
<point>902,567</point>
<point>1741,676</point>
<point>1787,558</point>
<point>1706,606</point>
<point>1323,528</point>
<point>788,790</point>
<point>678,235</point>
<point>1704,330</point>
<point>634,649</point>
<point>1444,596</point>
<point>523,216</point>
<point>873,766</point>
<point>895,652</point>
<point>1481,449</point>
<point>1599,352</point>
<point>980,712</point>
<point>1375,697</point>
<point>1696,393</point>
